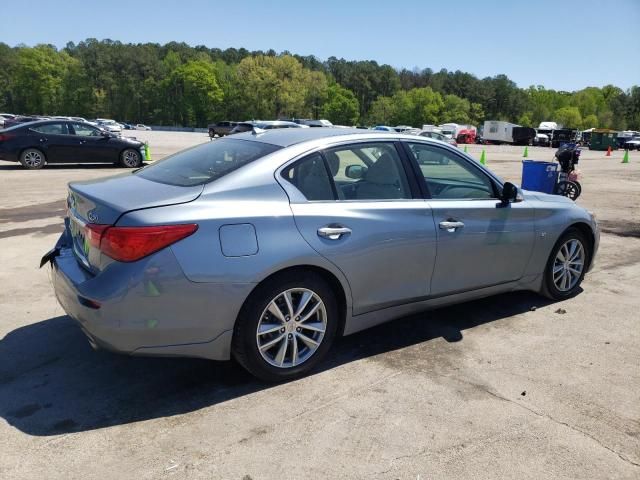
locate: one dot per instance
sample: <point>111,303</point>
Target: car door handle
<point>333,233</point>
<point>451,225</point>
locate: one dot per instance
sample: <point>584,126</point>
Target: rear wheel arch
<point>332,281</point>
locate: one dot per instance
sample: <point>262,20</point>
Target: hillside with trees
<point>176,84</point>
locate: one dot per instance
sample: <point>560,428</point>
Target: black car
<point>221,128</point>
<point>56,141</point>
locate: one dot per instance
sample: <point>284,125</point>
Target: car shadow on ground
<point>52,382</point>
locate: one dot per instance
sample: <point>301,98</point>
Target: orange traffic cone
<point>609,151</point>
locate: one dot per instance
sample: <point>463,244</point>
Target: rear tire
<point>290,336</point>
<point>32,158</point>
<point>567,265</point>
<point>130,158</point>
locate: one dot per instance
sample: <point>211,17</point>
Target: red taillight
<point>128,244</point>
<point>93,233</point>
<point>6,136</point>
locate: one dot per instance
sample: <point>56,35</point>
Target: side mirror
<point>509,193</point>
<point>355,172</point>
<point>105,134</point>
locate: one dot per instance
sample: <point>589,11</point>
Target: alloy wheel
<point>32,159</point>
<point>130,158</point>
<point>291,328</point>
<point>568,265</point>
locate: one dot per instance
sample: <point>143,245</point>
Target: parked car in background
<point>267,247</point>
<point>403,128</point>
<point>18,119</point>
<point>383,128</point>
<point>540,140</point>
<point>438,136</point>
<point>221,129</point>
<point>141,126</point>
<point>109,125</point>
<point>5,116</point>
<point>633,144</point>
<point>35,144</point>
<point>313,123</point>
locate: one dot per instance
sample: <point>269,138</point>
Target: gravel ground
<point>507,387</point>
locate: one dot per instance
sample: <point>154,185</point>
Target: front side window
<point>51,129</point>
<point>206,163</point>
<point>449,176</point>
<point>85,130</point>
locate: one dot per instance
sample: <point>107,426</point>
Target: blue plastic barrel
<point>539,176</point>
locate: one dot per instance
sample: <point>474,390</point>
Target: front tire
<point>130,158</point>
<point>567,265</point>
<point>286,327</point>
<point>32,158</point>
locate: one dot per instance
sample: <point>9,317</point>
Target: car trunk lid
<point>102,202</point>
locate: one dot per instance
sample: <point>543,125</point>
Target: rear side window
<point>310,176</point>
<point>206,163</point>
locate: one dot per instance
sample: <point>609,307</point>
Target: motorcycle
<point>568,156</point>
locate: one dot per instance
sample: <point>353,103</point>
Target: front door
<point>91,145</point>
<point>359,209</point>
<point>481,241</point>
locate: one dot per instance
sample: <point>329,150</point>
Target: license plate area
<point>79,239</point>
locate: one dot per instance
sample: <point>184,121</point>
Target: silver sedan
<point>268,245</point>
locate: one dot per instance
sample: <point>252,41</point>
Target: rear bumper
<point>148,307</point>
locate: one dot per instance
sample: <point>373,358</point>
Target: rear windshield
<point>206,163</point>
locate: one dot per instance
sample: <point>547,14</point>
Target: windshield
<point>206,163</point>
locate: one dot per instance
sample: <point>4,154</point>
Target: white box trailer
<point>504,132</point>
<point>499,132</point>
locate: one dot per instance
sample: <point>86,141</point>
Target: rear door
<point>358,206</point>
<point>481,241</point>
<point>54,139</point>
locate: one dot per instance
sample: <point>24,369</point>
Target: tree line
<point>176,84</point>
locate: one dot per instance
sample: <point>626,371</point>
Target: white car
<point>5,116</point>
<point>633,144</point>
<point>109,125</point>
<point>140,126</point>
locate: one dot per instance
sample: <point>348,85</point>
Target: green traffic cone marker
<point>465,149</point>
<point>151,290</point>
<point>526,152</point>
<point>625,159</point>
<point>147,152</point>
<point>483,159</point>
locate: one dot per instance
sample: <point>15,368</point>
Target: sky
<point>560,44</point>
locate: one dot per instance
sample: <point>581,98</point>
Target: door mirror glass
<point>509,193</point>
<point>355,172</point>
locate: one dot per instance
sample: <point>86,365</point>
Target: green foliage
<point>342,106</point>
<point>569,117</point>
<point>175,84</point>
